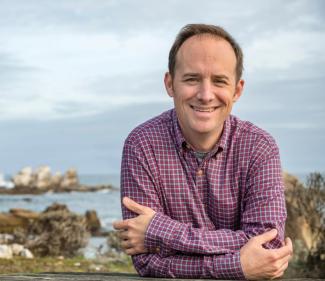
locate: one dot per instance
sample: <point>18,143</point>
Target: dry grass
<point>77,264</point>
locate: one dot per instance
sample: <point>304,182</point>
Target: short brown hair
<point>198,29</point>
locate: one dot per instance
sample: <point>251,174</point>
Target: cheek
<point>225,97</point>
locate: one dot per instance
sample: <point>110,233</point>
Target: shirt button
<point>199,173</point>
<point>157,249</point>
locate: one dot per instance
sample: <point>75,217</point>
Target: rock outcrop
<point>305,222</point>
<point>42,180</point>
<point>53,232</point>
<point>57,231</point>
<point>93,222</point>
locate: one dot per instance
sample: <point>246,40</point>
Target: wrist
<point>157,231</point>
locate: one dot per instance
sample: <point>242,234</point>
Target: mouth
<point>204,109</point>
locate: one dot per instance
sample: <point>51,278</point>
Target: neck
<point>202,142</point>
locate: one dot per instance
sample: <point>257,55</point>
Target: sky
<point>77,76</point>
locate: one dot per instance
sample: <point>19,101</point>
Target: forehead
<point>206,51</point>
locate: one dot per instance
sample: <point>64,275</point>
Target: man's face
<point>204,86</point>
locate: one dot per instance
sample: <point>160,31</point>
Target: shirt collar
<point>221,144</point>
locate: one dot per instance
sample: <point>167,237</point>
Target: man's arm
<point>252,262</point>
<point>264,209</point>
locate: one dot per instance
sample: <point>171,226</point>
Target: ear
<point>168,80</point>
<point>239,90</point>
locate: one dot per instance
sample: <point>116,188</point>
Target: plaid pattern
<point>206,210</point>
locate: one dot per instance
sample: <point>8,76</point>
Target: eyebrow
<point>191,75</point>
<point>219,77</point>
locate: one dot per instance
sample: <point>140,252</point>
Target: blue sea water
<point>106,202</point>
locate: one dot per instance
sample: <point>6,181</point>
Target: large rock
<point>25,253</point>
<point>16,248</point>
<point>305,222</point>
<point>43,178</point>
<point>297,226</point>
<point>57,179</point>
<point>70,179</point>
<point>24,213</point>
<point>93,222</point>
<point>16,219</point>
<point>9,223</point>
<point>5,252</point>
<point>24,178</point>
<point>56,232</point>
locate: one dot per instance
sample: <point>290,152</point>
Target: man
<point>202,190</point>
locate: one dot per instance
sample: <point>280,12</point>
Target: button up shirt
<point>205,210</point>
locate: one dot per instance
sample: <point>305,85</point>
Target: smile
<point>204,109</point>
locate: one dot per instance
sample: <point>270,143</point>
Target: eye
<point>191,80</point>
<point>220,82</point>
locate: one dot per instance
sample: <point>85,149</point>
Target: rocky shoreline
<point>20,190</point>
<point>55,231</point>
<point>41,180</point>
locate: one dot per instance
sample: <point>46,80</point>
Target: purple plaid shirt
<point>206,210</point>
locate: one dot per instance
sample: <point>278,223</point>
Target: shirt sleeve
<point>225,267</point>
<point>264,209</point>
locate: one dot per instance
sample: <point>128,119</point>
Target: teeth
<point>204,109</point>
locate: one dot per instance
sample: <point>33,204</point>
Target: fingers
<point>118,225</point>
<point>125,244</point>
<point>288,243</point>
<point>266,236</point>
<point>133,206</point>
<point>122,234</point>
<point>281,270</point>
<point>284,251</point>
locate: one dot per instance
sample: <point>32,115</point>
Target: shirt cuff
<point>159,233</point>
<point>229,267</point>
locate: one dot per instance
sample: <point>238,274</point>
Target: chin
<point>203,130</point>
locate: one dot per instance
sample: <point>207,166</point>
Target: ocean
<point>106,202</point>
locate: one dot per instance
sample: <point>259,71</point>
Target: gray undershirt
<point>200,155</point>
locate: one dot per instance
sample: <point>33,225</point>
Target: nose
<point>205,92</point>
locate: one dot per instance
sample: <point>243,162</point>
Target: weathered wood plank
<point>80,276</point>
<point>97,277</point>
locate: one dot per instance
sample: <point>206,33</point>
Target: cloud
<point>82,59</point>
<point>285,50</point>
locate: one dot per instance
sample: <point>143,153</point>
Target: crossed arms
<point>163,247</point>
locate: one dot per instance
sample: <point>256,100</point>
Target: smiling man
<point>202,190</point>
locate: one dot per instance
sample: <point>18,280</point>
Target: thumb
<point>133,206</point>
<point>266,236</point>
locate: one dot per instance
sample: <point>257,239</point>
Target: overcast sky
<point>77,76</point>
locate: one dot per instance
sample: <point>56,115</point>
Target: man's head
<point>199,29</point>
<point>205,66</point>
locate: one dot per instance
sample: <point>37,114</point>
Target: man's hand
<point>132,231</point>
<point>260,263</point>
